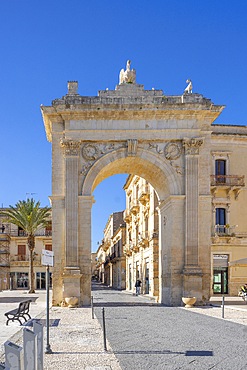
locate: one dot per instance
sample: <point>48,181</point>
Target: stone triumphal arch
<point>164,139</point>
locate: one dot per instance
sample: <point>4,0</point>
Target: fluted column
<point>72,274</point>
<point>71,153</point>
<point>191,268</point>
<point>192,195</point>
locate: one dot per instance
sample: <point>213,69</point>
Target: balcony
<point>134,208</point>
<point>22,233</point>
<point>107,260</point>
<point>23,259</point>
<point>127,216</point>
<point>106,244</point>
<point>127,249</point>
<point>143,239</point>
<point>228,182</point>
<point>144,195</point>
<point>113,256</point>
<point>225,230</point>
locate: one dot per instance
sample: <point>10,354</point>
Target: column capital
<point>70,147</point>
<point>192,146</point>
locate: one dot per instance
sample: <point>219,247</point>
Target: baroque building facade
<point>111,262</point>
<point>142,230</point>
<point>171,142</point>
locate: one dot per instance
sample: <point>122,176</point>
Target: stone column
<point>71,275</point>
<point>84,246</point>
<point>171,249</point>
<point>58,246</point>
<point>192,272</point>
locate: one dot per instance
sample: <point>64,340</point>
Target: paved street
<point>140,334</point>
<point>9,300</point>
<point>143,335</point>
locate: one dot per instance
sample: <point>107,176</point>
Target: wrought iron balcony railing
<point>22,233</point>
<point>227,180</point>
<point>24,257</point>
<point>225,230</point>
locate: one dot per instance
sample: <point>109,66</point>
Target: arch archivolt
<point>161,164</point>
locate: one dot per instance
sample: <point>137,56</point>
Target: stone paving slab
<point>158,337</point>
<point>140,335</point>
<point>77,342</point>
<point>9,300</point>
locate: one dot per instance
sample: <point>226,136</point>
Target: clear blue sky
<point>46,43</point>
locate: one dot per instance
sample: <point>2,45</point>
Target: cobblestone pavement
<point>143,335</point>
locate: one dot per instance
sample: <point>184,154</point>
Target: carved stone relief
<point>171,151</point>
<point>132,147</point>
<point>91,152</point>
<point>192,146</point>
<point>70,147</point>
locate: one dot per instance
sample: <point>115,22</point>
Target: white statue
<point>128,76</point>
<point>188,88</point>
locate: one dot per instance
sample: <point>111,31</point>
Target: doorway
<point>220,280</point>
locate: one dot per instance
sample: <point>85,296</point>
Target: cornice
<point>146,112</point>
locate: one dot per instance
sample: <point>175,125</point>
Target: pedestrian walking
<point>138,286</point>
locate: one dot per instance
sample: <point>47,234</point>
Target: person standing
<point>138,286</point>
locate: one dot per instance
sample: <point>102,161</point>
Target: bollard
<point>13,356</point>
<point>48,349</point>
<point>92,307</point>
<point>30,349</point>
<point>38,330</point>
<point>104,331</point>
<point>223,307</point>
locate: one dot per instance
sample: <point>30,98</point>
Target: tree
<point>29,216</point>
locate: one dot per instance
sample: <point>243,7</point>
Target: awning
<point>241,262</point>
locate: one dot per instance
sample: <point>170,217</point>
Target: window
<point>21,232</point>
<point>146,227</point>
<point>48,229</point>
<point>220,220</point>
<point>137,191</point>
<point>220,167</point>
<point>21,252</point>
<point>220,170</point>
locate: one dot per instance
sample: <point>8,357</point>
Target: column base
<point>192,282</point>
<point>71,282</point>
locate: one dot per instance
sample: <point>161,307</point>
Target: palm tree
<point>30,217</point>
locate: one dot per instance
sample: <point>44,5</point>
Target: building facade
<point>14,256</point>
<point>110,256</point>
<point>229,207</point>
<point>142,229</point>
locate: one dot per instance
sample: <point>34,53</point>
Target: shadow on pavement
<point>17,299</point>
<point>164,352</point>
<point>122,304</point>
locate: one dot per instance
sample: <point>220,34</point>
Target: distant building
<point>14,256</point>
<point>111,262</point>
<point>142,229</point>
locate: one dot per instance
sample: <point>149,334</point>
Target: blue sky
<point>46,43</point>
